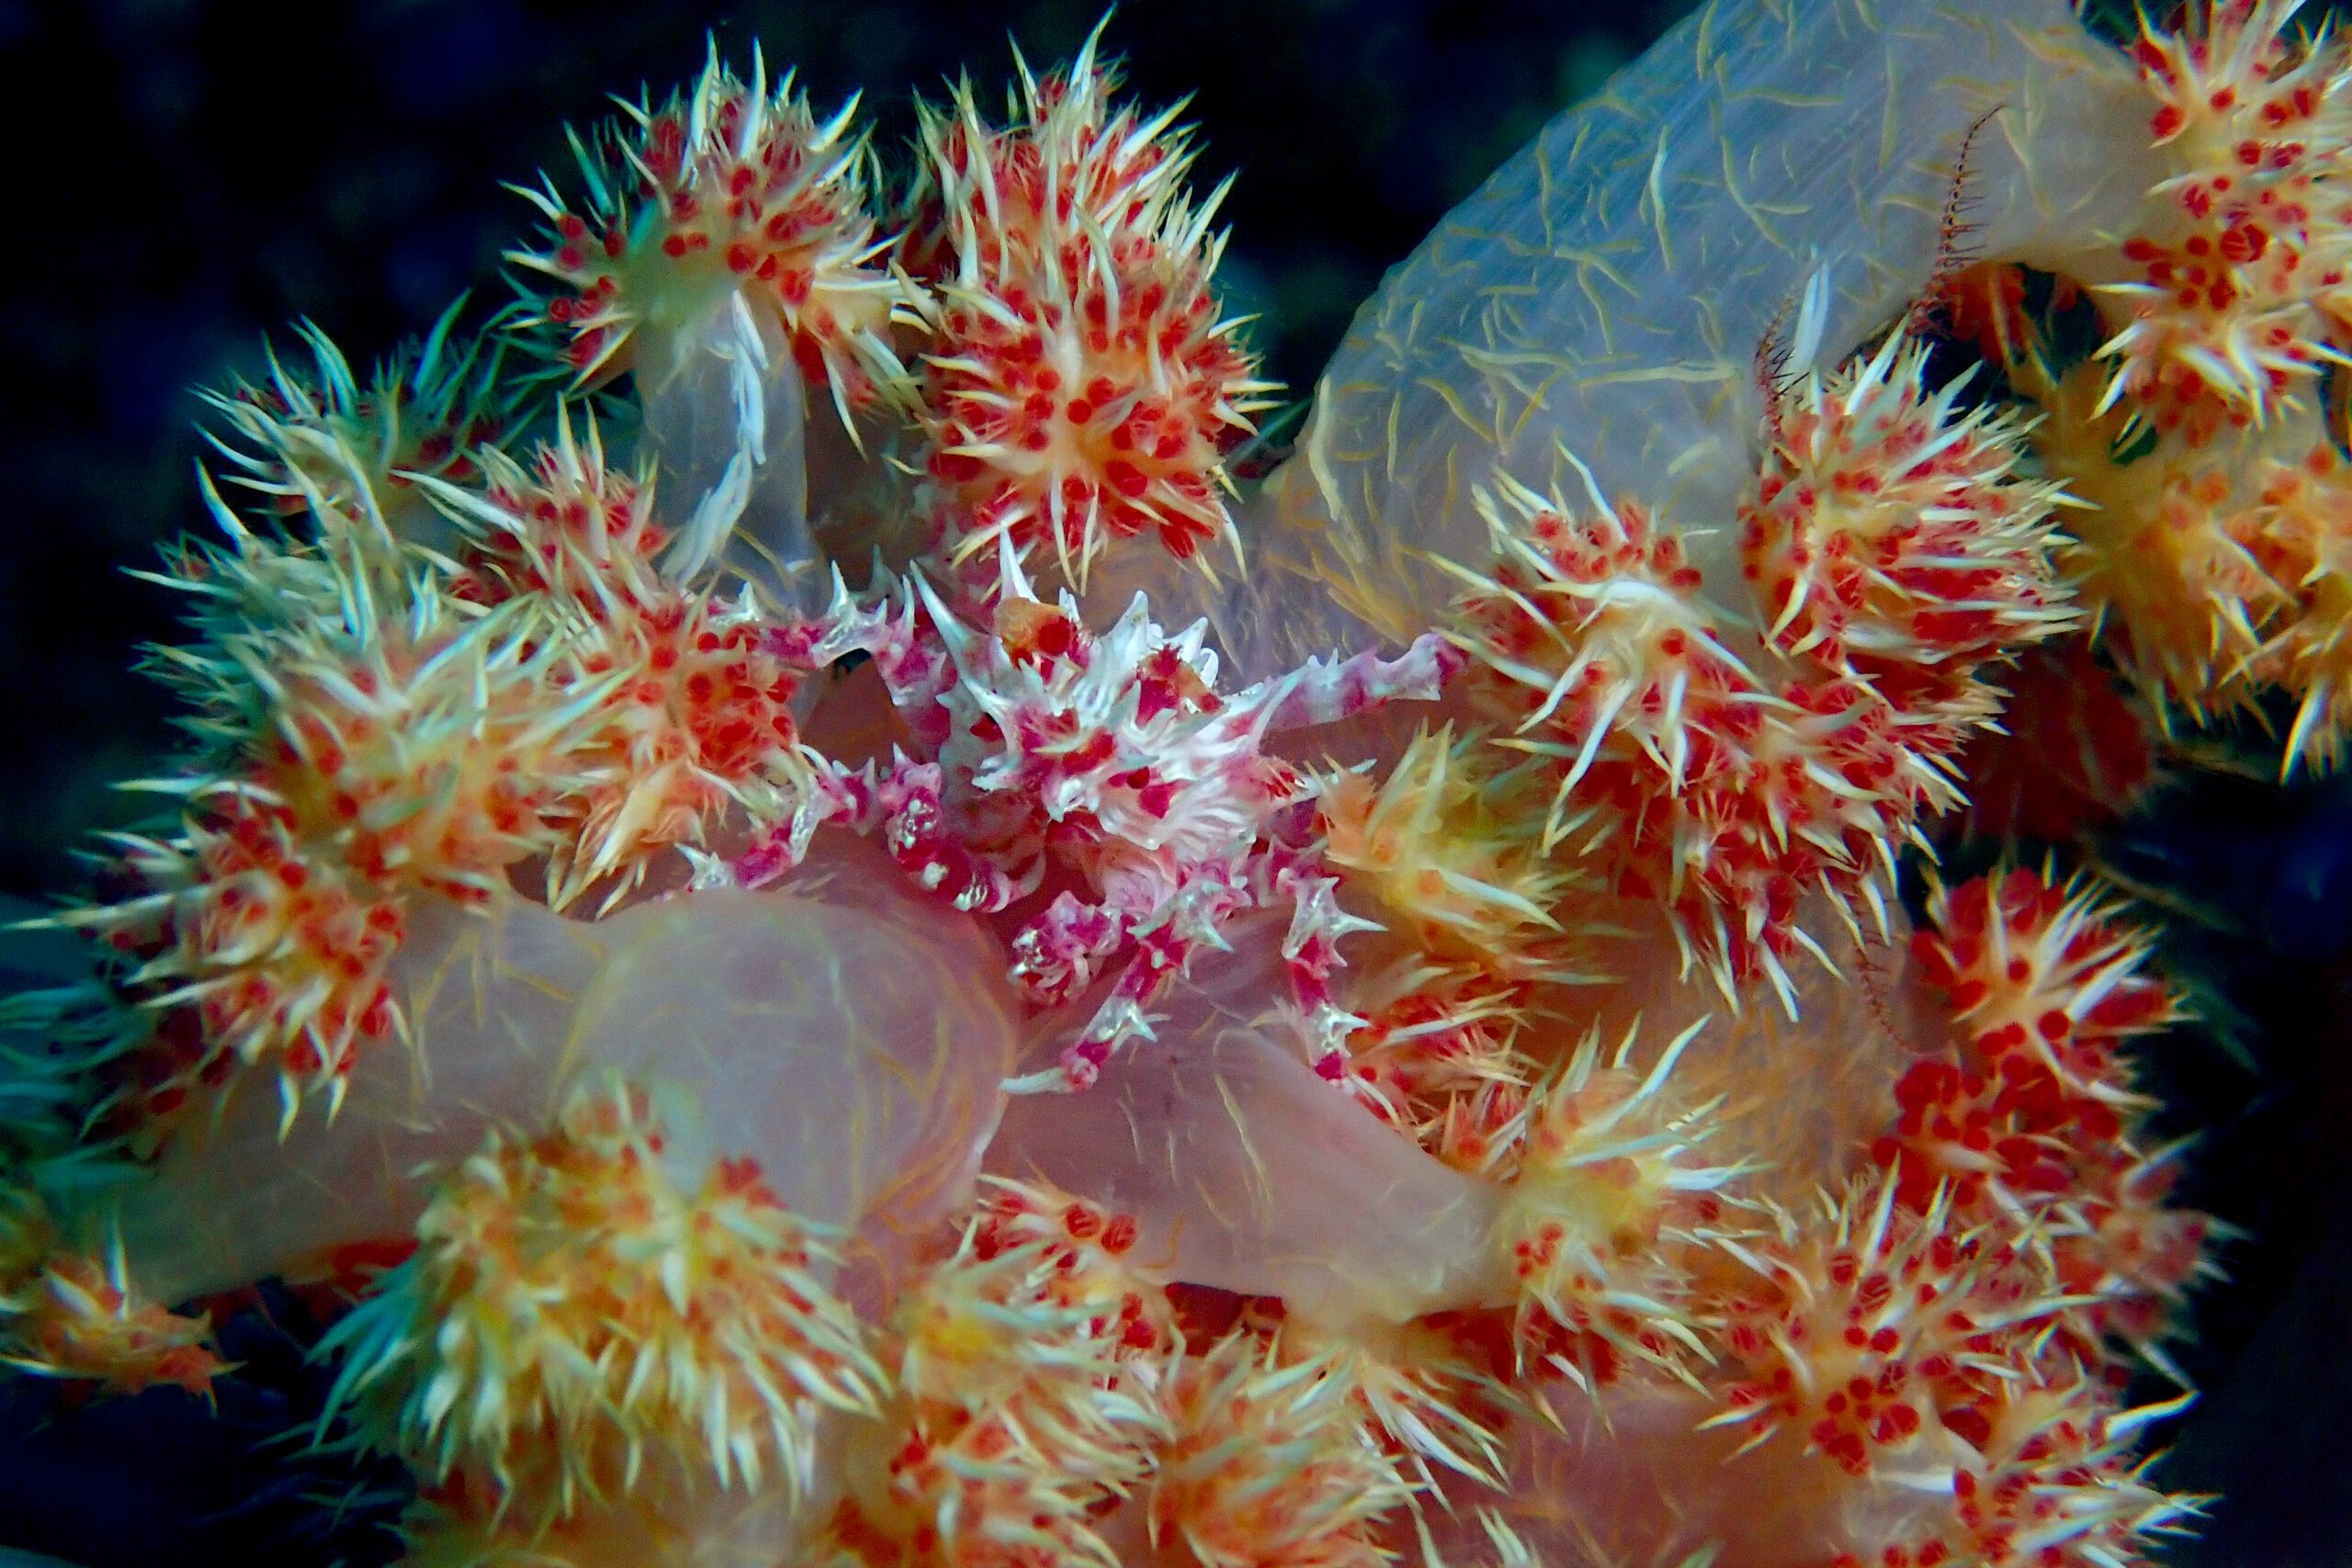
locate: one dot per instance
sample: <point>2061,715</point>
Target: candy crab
<point>815,987</point>
<point>1112,760</point>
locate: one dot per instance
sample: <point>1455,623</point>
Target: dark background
<point>184,176</point>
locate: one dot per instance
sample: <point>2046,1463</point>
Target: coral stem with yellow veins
<point>575,1306</point>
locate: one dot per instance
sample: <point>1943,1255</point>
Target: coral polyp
<point>572,1305</point>
<point>1079,385</point>
<point>832,936</point>
<point>728,186</point>
<point>1885,529</point>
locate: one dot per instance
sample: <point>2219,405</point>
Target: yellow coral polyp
<point>80,1316</point>
<point>1024,1396</point>
<point>2304,542</point>
<point>572,1307</point>
<point>688,709</point>
<point>427,758</point>
<point>1606,1192</point>
<point>1274,1465</point>
<point>2163,559</point>
<point>1448,850</point>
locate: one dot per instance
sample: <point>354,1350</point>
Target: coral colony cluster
<point>852,931</point>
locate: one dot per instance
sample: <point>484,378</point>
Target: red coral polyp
<point>1885,526</point>
<point>1079,386</point>
<point>728,186</point>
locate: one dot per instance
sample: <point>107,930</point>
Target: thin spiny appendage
<point>1446,850</point>
<point>2044,969</point>
<point>2052,1480</point>
<point>79,1316</point>
<point>1274,1465</point>
<point>2038,1113</point>
<point>424,754</point>
<point>315,442</point>
<point>2238,291</point>
<point>1433,1397</point>
<point>1596,647</point>
<point>690,697</point>
<point>1435,1051</point>
<point>1608,1187</point>
<point>1024,1399</point>
<point>1079,386</point>
<point>1887,527</point>
<point>728,187</point>
<point>574,1304</point>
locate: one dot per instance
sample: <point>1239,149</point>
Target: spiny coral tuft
<point>1273,1463</point>
<point>1079,386</point>
<point>2242,286</point>
<point>728,187</point>
<point>1024,1396</point>
<point>82,1317</point>
<point>1887,528</point>
<point>575,1304</point>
